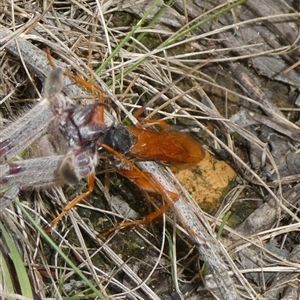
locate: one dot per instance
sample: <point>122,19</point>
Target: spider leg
<point>24,131</point>
<point>8,196</point>
<point>28,174</point>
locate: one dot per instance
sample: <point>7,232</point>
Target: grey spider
<point>68,153</point>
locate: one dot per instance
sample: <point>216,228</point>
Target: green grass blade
<point>224,221</point>
<point>60,252</point>
<point>17,260</point>
<point>181,35</point>
<point>5,278</point>
<point>152,22</point>
<point>128,36</point>
<point>201,23</point>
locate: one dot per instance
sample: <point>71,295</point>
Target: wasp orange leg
<point>146,220</point>
<point>82,82</point>
<point>146,181</point>
<point>74,202</point>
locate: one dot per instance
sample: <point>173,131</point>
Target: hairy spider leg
<point>94,89</point>
<point>25,130</point>
<point>146,181</point>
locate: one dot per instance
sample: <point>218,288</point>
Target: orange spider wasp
<point>125,142</point>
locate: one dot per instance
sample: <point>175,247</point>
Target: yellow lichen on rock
<point>207,181</point>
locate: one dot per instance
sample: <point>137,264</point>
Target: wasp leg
<point>75,166</point>
<point>74,202</point>
<point>88,85</point>
<point>146,181</point>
